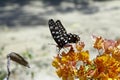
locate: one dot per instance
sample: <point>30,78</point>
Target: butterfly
<point>60,34</point>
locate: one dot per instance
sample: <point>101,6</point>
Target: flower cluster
<point>76,62</point>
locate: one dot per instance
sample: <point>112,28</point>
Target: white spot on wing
<point>53,32</point>
<point>69,38</point>
<point>51,27</point>
<point>57,32</point>
<point>61,38</point>
<point>57,36</point>
<point>65,41</point>
<point>58,40</point>
<point>56,27</point>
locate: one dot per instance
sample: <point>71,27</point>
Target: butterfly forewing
<point>61,27</point>
<point>57,33</point>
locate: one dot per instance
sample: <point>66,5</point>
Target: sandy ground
<point>37,39</point>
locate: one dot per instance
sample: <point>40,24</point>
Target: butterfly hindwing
<point>73,38</point>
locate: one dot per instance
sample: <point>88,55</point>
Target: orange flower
<point>56,62</point>
<point>83,55</point>
<point>81,73</point>
<point>108,65</point>
<point>80,46</point>
<point>66,72</point>
<point>98,42</point>
<point>108,45</point>
<point>116,53</point>
<point>104,67</point>
<point>103,76</point>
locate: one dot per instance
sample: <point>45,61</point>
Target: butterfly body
<point>60,34</point>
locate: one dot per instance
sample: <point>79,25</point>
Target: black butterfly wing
<point>61,27</point>
<point>57,33</point>
<point>62,31</point>
<point>73,38</point>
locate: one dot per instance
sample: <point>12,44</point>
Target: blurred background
<point>24,30</point>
